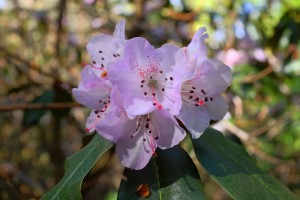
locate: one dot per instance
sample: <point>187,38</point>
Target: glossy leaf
<point>76,168</point>
<point>234,170</point>
<point>171,175</point>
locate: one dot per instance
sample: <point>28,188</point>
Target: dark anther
<point>143,81</point>
<point>147,126</point>
<point>191,91</point>
<point>142,86</point>
<point>193,87</point>
<point>154,104</point>
<point>163,89</point>
<point>145,93</point>
<point>102,58</point>
<point>171,78</point>
<point>205,99</point>
<point>94,62</point>
<point>114,55</point>
<point>190,97</point>
<point>100,51</point>
<point>131,136</point>
<point>161,71</point>
<point>144,139</point>
<point>211,98</point>
<point>153,94</point>
<point>156,138</point>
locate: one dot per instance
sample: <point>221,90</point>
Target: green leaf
<point>76,168</point>
<point>234,170</point>
<point>33,116</point>
<point>171,175</point>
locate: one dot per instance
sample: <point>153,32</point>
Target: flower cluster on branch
<point>138,92</point>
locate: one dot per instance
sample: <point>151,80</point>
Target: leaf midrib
<point>77,167</point>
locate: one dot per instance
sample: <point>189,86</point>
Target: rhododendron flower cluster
<point>138,92</point>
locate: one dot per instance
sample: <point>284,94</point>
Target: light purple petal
<point>120,30</point>
<point>92,92</point>
<point>113,122</point>
<point>165,125</point>
<point>195,119</point>
<point>217,108</point>
<point>125,75</point>
<point>104,49</point>
<point>177,63</point>
<point>91,98</point>
<point>223,70</point>
<point>91,122</point>
<point>171,99</point>
<point>134,152</point>
<point>214,66</point>
<point>197,47</point>
<point>212,84</point>
<point>143,77</point>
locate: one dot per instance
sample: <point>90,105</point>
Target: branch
<point>30,65</point>
<point>36,106</point>
<point>250,143</point>
<point>59,31</point>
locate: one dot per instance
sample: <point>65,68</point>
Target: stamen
<point>155,102</point>
<point>200,102</point>
<point>152,146</point>
<point>96,67</point>
<point>104,74</point>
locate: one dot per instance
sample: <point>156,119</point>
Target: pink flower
<point>137,139</point>
<point>200,93</point>
<point>134,91</point>
<point>105,49</point>
<point>94,93</point>
<point>146,78</point>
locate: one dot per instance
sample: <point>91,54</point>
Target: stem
<point>157,177</point>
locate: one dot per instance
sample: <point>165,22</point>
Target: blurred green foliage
<point>42,49</point>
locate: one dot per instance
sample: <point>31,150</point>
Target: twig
<point>30,65</point>
<point>35,106</point>
<point>59,31</point>
<point>250,143</point>
<point>241,134</point>
<point>255,77</point>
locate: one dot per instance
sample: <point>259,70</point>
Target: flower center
<point>152,83</point>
